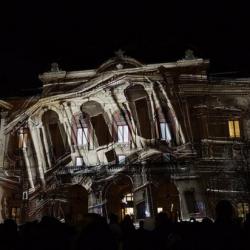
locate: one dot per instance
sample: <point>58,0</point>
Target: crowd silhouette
<point>94,233</point>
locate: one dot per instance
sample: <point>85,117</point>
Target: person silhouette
<point>226,234</point>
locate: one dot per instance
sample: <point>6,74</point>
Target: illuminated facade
<point>127,138</point>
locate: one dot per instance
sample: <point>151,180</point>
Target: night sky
<point>83,34</point>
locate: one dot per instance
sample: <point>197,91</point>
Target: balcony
<point>221,149</point>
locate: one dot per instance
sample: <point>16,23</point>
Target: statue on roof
<point>120,53</point>
<point>54,67</point>
<point>189,54</point>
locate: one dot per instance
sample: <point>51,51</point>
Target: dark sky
<point>83,34</point>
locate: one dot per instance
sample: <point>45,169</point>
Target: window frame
<point>23,138</point>
<point>84,136</point>
<point>123,137</point>
<point>167,133</point>
<point>119,161</point>
<point>79,157</point>
<point>234,128</point>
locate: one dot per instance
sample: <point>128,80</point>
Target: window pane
<point>111,156</point>
<point>231,128</point>
<point>159,209</point>
<point>168,135</point>
<point>129,210</point>
<point>237,128</point>
<point>79,161</point>
<point>79,136</point>
<point>23,137</point>
<point>20,142</point>
<point>85,136</point>
<point>129,197</point>
<point>163,130</point>
<point>120,133</point>
<point>121,159</point>
<point>125,133</point>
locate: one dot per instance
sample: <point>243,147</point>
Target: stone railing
<point>220,149</point>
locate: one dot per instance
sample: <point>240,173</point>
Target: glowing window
<point>79,161</point>
<point>159,209</point>
<point>242,209</point>
<point>129,210</point>
<point>165,131</point>
<point>122,133</point>
<point>121,159</point>
<point>22,142</point>
<point>234,129</point>
<point>82,136</point>
<point>128,197</point>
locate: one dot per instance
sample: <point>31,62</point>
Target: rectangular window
<point>234,129</point>
<point>159,209</point>
<point>128,197</point>
<point>25,195</point>
<point>121,159</point>
<point>129,211</point>
<point>142,112</point>
<point>165,131</point>
<point>242,209</point>
<point>82,136</point>
<point>23,136</point>
<point>111,156</point>
<point>122,134</point>
<point>79,161</point>
<point>23,141</point>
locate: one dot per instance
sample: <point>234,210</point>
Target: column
<point>2,137</point>
<point>36,142</point>
<point>28,168</point>
<point>154,123</point>
<point>46,146</point>
<point>134,128</point>
<point>67,113</point>
<point>148,194</point>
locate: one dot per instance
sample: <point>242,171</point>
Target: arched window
<point>94,119</point>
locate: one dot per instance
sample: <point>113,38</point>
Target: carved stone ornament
<point>54,67</point>
<point>189,54</point>
<point>119,53</point>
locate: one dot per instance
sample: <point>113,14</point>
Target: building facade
<point>127,138</point>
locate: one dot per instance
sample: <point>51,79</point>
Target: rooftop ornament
<point>189,54</point>
<point>54,67</point>
<point>120,56</point>
<point>120,53</point>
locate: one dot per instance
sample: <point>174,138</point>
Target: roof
<point>6,105</point>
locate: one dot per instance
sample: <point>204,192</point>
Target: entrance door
<point>166,198</point>
<point>120,198</point>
